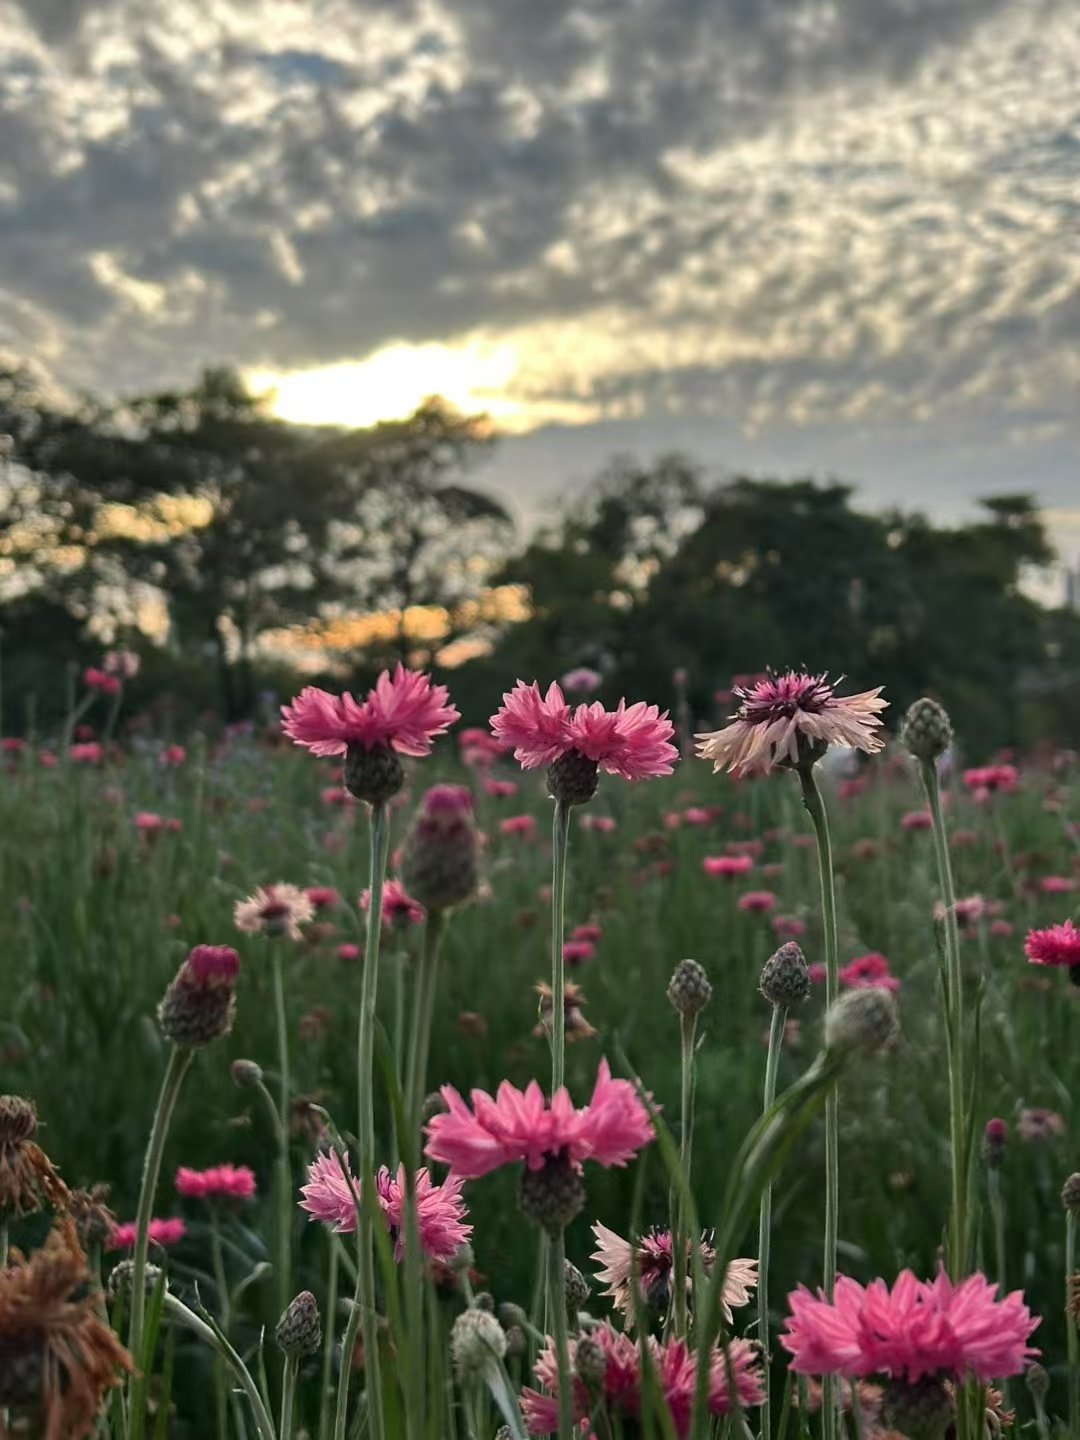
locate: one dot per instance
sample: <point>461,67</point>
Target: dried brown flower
<point>27,1178</point>
<point>577,1027</point>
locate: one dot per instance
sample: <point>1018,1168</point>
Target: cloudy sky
<point>799,236</point>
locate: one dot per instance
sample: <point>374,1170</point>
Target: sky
<point>790,237</point>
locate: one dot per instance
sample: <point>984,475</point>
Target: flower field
<point>190,950</point>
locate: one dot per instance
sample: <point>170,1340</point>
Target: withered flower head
<point>94,1221</point>
<point>57,1357</point>
<point>577,1027</point>
<point>27,1178</point>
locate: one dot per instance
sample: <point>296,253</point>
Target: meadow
<point>119,854</point>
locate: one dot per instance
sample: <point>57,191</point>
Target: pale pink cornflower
<point>274,910</point>
<point>757,901</point>
<point>237,1182</point>
<point>147,823</point>
<point>160,1232</point>
<point>399,909</point>
<point>674,1368</point>
<point>1037,1123</point>
<point>917,1328</point>
<point>101,681</point>
<point>698,815</point>
<point>1056,945</point>
<point>1056,884</point>
<point>917,820</point>
<point>727,865</point>
<point>1001,928</point>
<point>581,681</point>
<point>331,1196</point>
<point>518,825</point>
<point>655,1264</point>
<point>603,823</point>
<point>404,711</point>
<point>124,663</point>
<point>522,1125</point>
<point>631,741</point>
<point>788,719</point>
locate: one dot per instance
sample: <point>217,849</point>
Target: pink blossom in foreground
<point>235,1181</point>
<point>675,1370</point>
<point>517,1125</point>
<point>631,741</point>
<point>404,711</point>
<point>1056,945</point>
<point>274,910</point>
<point>780,716</point>
<point>399,909</point>
<point>440,1211</point>
<point>917,1328</point>
<point>727,865</point>
<point>653,1259</point>
<point>161,1232</point>
<point>757,901</point>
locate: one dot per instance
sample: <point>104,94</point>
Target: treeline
<point>248,545</point>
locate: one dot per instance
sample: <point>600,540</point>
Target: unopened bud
<point>200,1003</point>
<point>1037,1381</point>
<point>689,989</point>
<point>511,1315</point>
<point>577,1292</point>
<point>863,1021</point>
<point>245,1073</point>
<point>1070,1194</point>
<point>926,730</point>
<point>299,1331</point>
<point>477,1344</point>
<point>994,1139</point>
<point>440,859</point>
<point>590,1362</point>
<point>123,1274</point>
<point>785,980</point>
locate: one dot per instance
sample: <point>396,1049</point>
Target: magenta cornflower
<point>102,681</point>
<point>323,897</point>
<point>575,952</point>
<point>653,1258</point>
<point>440,1211</point>
<point>85,752</point>
<point>916,820</point>
<point>675,1368</point>
<point>501,789</point>
<point>788,718</point>
<point>516,1125</point>
<point>518,825</point>
<point>1056,945</point>
<point>992,777</point>
<point>274,910</point>
<point>868,970</point>
<point>160,1232</point>
<point>235,1181</point>
<point>631,741</point>
<point>404,711</point>
<point>399,909</point>
<point>172,755</point>
<point>757,901</point>
<point>727,865</point>
<point>590,933</point>
<point>917,1328</point>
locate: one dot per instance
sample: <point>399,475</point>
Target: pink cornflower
<point>347,950</point>
<point>273,910</point>
<point>675,1372</point>
<point>868,970</point>
<point>501,789</point>
<point>1001,928</point>
<point>914,1329</point>
<point>727,865</point>
<point>518,825</point>
<point>440,1211</point>
<point>12,745</point>
<point>404,711</point>
<point>1036,1122</point>
<point>161,1232</point>
<point>1056,945</point>
<point>654,1263</point>
<point>604,823</point>
<point>516,1125</point>
<point>399,909</point>
<point>698,815</point>
<point>916,820</point>
<point>235,1181</point>
<point>631,741</point>
<point>816,972</point>
<point>86,752</point>
<point>590,933</point>
<point>581,681</point>
<point>575,952</point>
<point>172,755</point>
<point>787,719</point>
<point>101,681</point>
<point>757,901</point>
<point>323,897</point>
<point>788,927</point>
<point>992,777</point>
<point>147,823</point>
<point>1056,884</point>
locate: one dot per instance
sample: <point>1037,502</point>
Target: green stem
<point>420,1037</point>
<point>815,808</point>
<point>557,1310</point>
<point>364,1299</point>
<point>218,1260</point>
<point>288,1397</point>
<point>328,1346</point>
<point>3,1242</point>
<point>559,840</point>
<point>1071,1338</point>
<point>179,1311</point>
<point>997,1211</point>
<point>284,1168</point>
<point>177,1067</point>
<point>688,1030</point>
<point>348,1344</point>
<point>772,1066</point>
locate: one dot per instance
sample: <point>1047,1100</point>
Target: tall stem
<point>680,1239</point>
<point>772,1065</point>
<point>1071,1338</point>
<point>175,1070</point>
<point>557,1311</point>
<point>218,1259</point>
<point>328,1345</point>
<point>815,808</point>
<point>288,1397</point>
<point>179,1311</point>
<point>284,1169</point>
<point>559,839</point>
<point>420,1037</point>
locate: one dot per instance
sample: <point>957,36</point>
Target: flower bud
<point>123,1273</point>
<point>484,1300</point>
<point>200,1004</point>
<point>552,1195</point>
<point>477,1343</point>
<point>374,775</point>
<point>573,778</point>
<point>785,980</point>
<point>689,989</point>
<point>440,860</point>
<point>590,1362</point>
<point>926,730</point>
<point>245,1073</point>
<point>862,1021</point>
<point>511,1315</point>
<point>1070,1195</point>
<point>995,1136</point>
<point>577,1291</point>
<point>299,1331</point>
<point>1037,1381</point>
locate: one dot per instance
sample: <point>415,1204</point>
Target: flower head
<point>992,777</point>
<point>1056,945</point>
<point>161,1232</point>
<point>917,1328</point>
<point>235,1181</point>
<point>653,1258</point>
<point>331,1196</point>
<point>274,910</point>
<point>516,1125</point>
<point>101,680</point>
<point>581,681</point>
<point>868,970</point>
<point>727,865</point>
<point>27,1178</point>
<point>789,718</point>
<point>404,711</point>
<point>631,741</point>
<point>399,909</point>
<point>200,1003</point>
